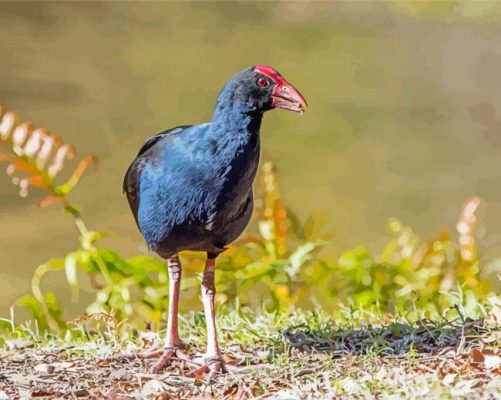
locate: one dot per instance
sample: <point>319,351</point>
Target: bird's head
<point>276,92</point>
<point>262,88</point>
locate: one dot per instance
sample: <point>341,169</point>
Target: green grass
<point>298,355</point>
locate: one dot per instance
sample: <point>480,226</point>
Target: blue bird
<point>190,188</point>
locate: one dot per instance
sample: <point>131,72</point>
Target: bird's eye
<point>262,82</point>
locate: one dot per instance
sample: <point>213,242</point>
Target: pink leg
<point>213,361</point>
<point>208,293</point>
<point>172,341</point>
<point>174,267</point>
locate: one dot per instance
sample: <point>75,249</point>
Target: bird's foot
<point>166,354</point>
<point>212,365</point>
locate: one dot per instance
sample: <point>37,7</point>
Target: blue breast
<point>190,188</point>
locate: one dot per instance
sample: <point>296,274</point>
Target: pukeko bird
<point>190,188</point>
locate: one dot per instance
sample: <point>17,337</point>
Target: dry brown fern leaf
<point>35,157</point>
<point>271,209</point>
<point>467,227</point>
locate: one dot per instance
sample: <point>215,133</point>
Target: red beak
<point>286,96</point>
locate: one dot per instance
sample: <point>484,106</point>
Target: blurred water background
<point>404,118</point>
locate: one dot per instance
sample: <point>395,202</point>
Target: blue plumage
<point>190,188</point>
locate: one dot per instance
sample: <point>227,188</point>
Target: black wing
<point>159,136</point>
<point>133,174</point>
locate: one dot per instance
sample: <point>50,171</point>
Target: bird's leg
<point>213,362</point>
<point>208,293</point>
<point>174,268</point>
<point>172,342</point>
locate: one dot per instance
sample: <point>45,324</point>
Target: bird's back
<point>146,155</point>
<point>189,191</point>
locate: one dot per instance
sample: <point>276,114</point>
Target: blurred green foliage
<point>281,268</point>
<point>284,269</point>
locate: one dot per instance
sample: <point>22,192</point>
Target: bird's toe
<point>212,366</point>
<point>166,354</point>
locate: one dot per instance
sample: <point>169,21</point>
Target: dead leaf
<point>231,390</point>
<point>477,356</point>
<point>464,387</point>
<point>55,367</point>
<point>18,344</point>
<point>492,362</point>
<point>44,368</point>
<point>152,388</point>
<point>448,379</point>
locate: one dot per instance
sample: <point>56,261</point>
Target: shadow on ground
<point>424,336</point>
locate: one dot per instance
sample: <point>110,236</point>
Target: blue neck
<point>235,120</point>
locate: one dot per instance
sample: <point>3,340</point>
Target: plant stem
<point>87,242</point>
